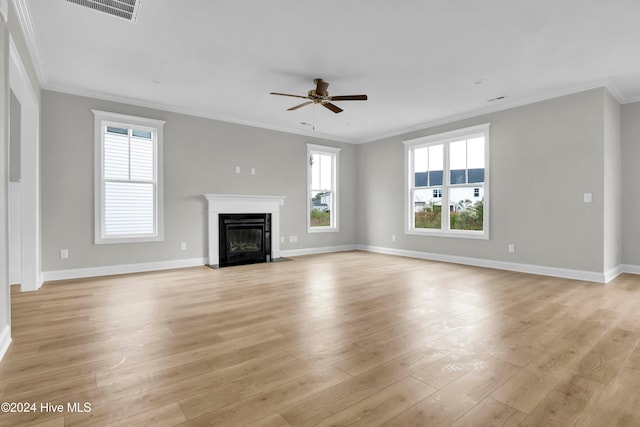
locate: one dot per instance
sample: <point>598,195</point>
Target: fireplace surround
<point>222,204</point>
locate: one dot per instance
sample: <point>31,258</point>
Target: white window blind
<point>129,183</point>
<point>129,174</point>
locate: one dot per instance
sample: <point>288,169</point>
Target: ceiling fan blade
<point>348,98</point>
<point>332,107</point>
<point>288,94</point>
<point>321,87</point>
<point>299,105</point>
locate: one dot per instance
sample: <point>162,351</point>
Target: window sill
<point>323,230</point>
<point>477,235</point>
<point>113,240</point>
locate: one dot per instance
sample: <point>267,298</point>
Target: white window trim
<point>335,152</point>
<point>445,138</point>
<point>100,118</point>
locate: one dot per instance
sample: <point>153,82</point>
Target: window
<point>448,170</point>
<point>128,178</point>
<point>322,185</point>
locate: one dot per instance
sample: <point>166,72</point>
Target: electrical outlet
<point>290,239</point>
<point>588,197</point>
<point>64,253</point>
<point>281,239</point>
<point>183,246</point>
<point>295,239</point>
<point>237,169</point>
<point>253,171</point>
<point>512,248</point>
<point>393,237</point>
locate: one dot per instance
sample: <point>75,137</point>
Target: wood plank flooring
<point>352,338</point>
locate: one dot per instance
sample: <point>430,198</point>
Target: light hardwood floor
<point>353,338</point>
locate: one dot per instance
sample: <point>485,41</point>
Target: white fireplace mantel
<point>238,203</point>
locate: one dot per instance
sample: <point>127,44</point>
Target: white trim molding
<point>615,272</point>
<point>5,340</point>
<point>588,276</point>
<point>334,208</point>
<point>20,83</point>
<point>606,83</point>
<point>240,203</point>
<point>15,233</point>
<point>110,270</point>
<point>26,24</point>
<point>316,251</point>
<point>165,106</point>
<point>102,120</point>
<point>4,10</point>
<point>629,268</point>
<point>445,140</point>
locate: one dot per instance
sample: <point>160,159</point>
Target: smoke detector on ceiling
<point>125,9</point>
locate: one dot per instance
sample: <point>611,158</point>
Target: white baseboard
<point>109,270</point>
<point>615,272</point>
<point>5,340</point>
<point>14,277</point>
<point>629,268</point>
<point>589,276</point>
<point>321,250</point>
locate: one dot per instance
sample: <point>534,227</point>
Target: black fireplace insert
<point>244,238</point>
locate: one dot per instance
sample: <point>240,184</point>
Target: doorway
<point>27,254</point>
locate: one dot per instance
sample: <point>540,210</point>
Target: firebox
<point>244,238</point>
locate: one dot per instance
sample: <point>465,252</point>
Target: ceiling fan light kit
<point>320,95</point>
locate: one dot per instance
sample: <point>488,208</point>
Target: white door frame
<point>20,84</point>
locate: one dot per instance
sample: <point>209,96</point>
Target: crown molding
<point>632,100</point>
<point>27,27</point>
<point>602,83</point>
<point>613,90</point>
<point>26,24</point>
<point>507,105</point>
<point>4,10</point>
<point>190,112</point>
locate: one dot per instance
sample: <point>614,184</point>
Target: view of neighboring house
<point>427,196</point>
<point>434,198</point>
<point>322,202</point>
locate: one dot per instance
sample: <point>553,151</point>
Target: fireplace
<point>225,204</point>
<point>244,238</point>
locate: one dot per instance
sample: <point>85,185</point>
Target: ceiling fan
<point>319,95</point>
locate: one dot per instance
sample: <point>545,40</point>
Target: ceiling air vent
<point>125,9</point>
<point>499,98</point>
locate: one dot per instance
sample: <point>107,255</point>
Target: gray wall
<point>544,156</point>
<point>200,156</point>
<point>631,183</point>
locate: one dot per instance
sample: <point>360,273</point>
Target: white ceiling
<point>417,60</point>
